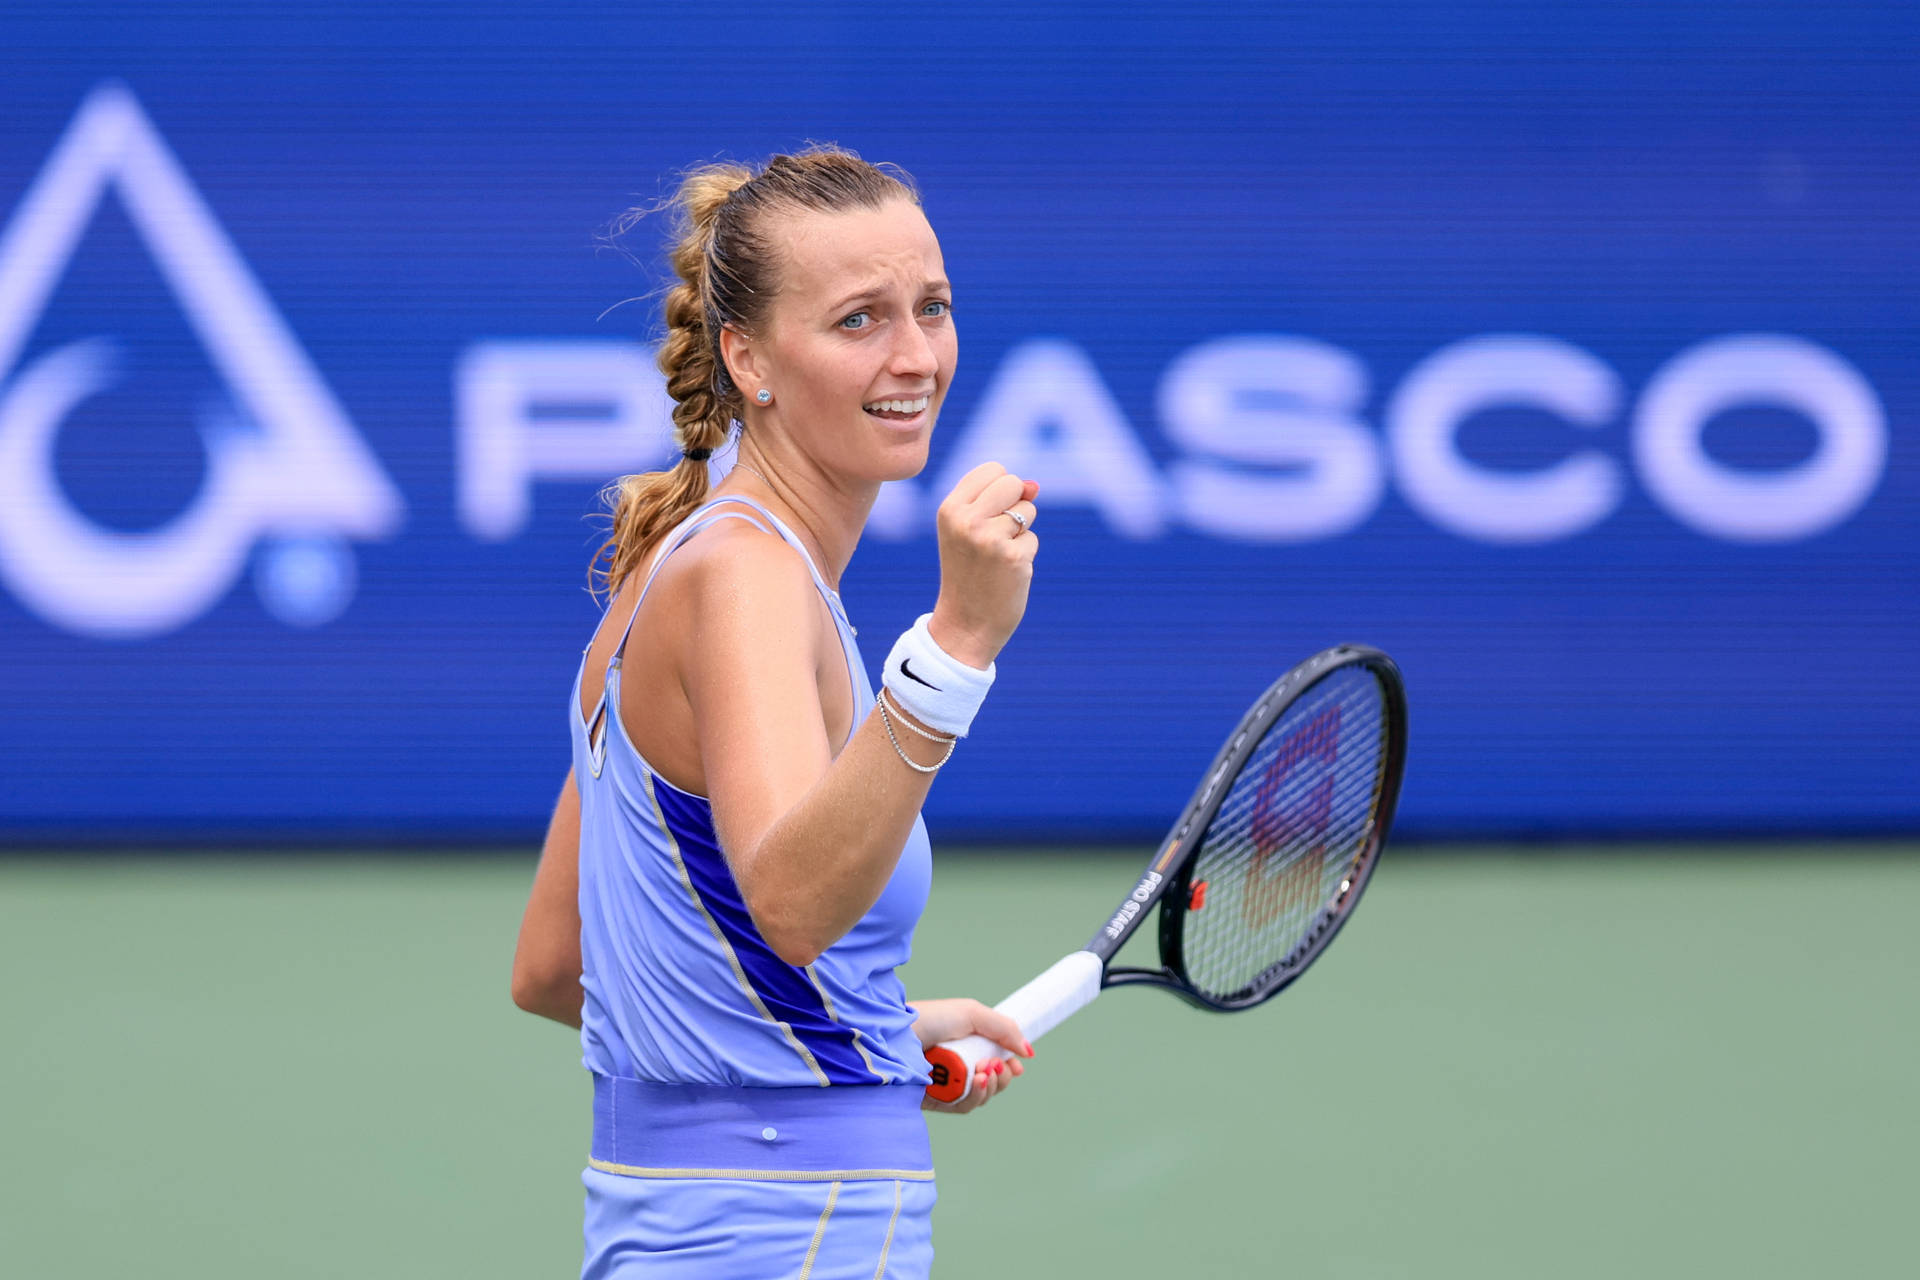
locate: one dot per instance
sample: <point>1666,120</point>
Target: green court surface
<point>1659,1062</point>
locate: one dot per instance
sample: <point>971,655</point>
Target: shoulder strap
<point>678,538</point>
<point>787,535</point>
<point>706,515</point>
<point>849,651</point>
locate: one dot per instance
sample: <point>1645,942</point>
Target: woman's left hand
<point>943,1020</point>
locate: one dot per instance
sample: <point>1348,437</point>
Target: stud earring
<point>763,396</point>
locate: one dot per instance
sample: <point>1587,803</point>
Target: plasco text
<point>1273,444</point>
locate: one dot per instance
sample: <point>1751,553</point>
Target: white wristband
<point>931,685</point>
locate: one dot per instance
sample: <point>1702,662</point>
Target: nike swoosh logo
<point>907,671</point>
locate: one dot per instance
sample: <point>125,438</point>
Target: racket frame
<point>1167,881</point>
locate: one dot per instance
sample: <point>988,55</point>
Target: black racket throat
<point>1294,883</point>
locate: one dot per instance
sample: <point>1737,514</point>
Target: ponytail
<point>645,507</point>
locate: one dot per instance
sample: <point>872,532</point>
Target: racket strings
<point>1288,837</point>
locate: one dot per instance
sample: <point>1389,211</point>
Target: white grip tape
<point>1040,1006</point>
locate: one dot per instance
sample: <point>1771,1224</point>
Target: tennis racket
<point>1262,868</point>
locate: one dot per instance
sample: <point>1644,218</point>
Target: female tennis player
<point>736,864</point>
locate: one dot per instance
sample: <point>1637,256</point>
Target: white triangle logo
<point>302,478</point>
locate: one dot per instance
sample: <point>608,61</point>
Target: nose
<point>913,355</point>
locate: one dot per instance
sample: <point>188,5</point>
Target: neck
<point>825,512</point>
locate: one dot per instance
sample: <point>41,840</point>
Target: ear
<point>743,359</point>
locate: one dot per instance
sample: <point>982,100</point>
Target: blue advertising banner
<point>1565,352</point>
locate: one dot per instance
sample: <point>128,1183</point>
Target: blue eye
<point>858,320</point>
<point>938,307</point>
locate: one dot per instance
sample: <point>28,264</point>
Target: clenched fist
<point>986,563</point>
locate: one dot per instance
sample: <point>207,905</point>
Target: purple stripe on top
<point>785,989</point>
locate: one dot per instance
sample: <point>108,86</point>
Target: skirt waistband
<point>838,1133</point>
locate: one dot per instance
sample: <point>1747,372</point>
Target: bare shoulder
<point>739,583</point>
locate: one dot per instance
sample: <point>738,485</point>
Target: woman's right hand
<point>986,563</point>
<point>937,1021</point>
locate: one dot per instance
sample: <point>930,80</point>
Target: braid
<point>702,412</point>
<point>646,506</point>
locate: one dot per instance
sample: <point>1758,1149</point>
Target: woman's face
<point>858,346</point>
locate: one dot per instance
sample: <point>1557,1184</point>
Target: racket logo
<point>1141,895</point>
<point>1289,824</point>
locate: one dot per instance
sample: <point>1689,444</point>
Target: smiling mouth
<point>898,410</point>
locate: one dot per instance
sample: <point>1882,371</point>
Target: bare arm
<point>813,838</point>
<point>546,963</point>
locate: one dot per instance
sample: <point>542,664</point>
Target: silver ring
<point>1017,519</point>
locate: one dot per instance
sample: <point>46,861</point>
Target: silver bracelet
<point>887,720</point>
<point>907,720</point>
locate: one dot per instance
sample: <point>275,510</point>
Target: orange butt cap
<point>950,1078</point>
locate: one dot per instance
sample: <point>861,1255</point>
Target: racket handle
<point>1040,1006</point>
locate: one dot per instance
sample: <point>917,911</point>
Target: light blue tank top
<point>680,987</point>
